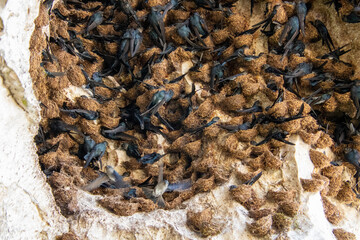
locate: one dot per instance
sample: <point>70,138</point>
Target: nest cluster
<point>147,103</point>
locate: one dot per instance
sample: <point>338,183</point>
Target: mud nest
<point>187,93</point>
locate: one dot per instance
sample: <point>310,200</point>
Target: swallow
<point>95,20</point>
<point>130,43</point>
<point>110,178</point>
<point>336,53</point>
<point>278,99</point>
<point>53,74</point>
<point>87,114</point>
<point>163,186</point>
<point>269,118</point>
<point>230,78</point>
<point>236,128</point>
<point>201,128</point>
<point>132,150</point>
<point>301,11</point>
<point>58,14</point>
<point>184,32</point>
<point>64,44</point>
<point>206,4</point>
<point>319,77</point>
<point>199,27</point>
<point>216,73</point>
<point>296,47</point>
<point>126,8</point>
<point>343,131</point>
<point>240,53</point>
<point>131,116</point>
<point>150,158</point>
<point>156,194</point>
<point>352,156</point>
<point>130,194</point>
<point>164,121</point>
<point>249,182</point>
<point>158,100</point>
<point>255,108</point>
<point>254,179</point>
<point>337,4</point>
<point>323,33</point>
<point>274,134</point>
<point>290,78</point>
<point>268,21</point>
<point>290,32</point>
<point>252,3</point>
<point>118,133</point>
<point>355,95</point>
<point>86,147</point>
<point>96,153</point>
<point>58,126</point>
<point>301,69</point>
<point>352,17</point>
<point>156,21</point>
<point>47,55</point>
<point>46,148</point>
<point>316,100</point>
<point>268,69</point>
<point>79,48</point>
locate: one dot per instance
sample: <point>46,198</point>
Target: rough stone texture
<point>28,209</point>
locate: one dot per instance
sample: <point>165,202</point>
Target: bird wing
<point>103,178</point>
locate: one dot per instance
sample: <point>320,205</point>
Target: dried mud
<point>209,157</point>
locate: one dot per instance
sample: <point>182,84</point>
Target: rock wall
<point>27,206</point>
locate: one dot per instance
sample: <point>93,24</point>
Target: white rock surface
<point>27,207</point>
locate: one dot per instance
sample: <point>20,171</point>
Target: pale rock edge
<point>28,209</point>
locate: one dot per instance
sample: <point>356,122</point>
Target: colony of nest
<point>180,87</point>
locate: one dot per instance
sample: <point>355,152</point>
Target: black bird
<point>163,186</point>
<point>269,118</point>
<point>244,126</point>
<point>110,178</point>
<point>336,53</point>
<point>323,33</point>
<point>249,182</point>
<point>199,27</point>
<point>184,31</point>
<point>96,153</point>
<point>274,134</point>
<point>158,100</point>
<point>353,17</point>
<point>290,78</point>
<point>95,20</point>
<point>87,114</point>
<point>132,150</point>
<point>264,24</point>
<point>301,11</point>
<point>255,108</point>
<point>198,129</point>
<point>86,146</point>
<point>337,4</point>
<point>118,133</point>
<point>126,8</point>
<point>355,95</point>
<point>254,179</point>
<point>207,4</point>
<point>217,72</point>
<point>156,21</point>
<point>352,156</point>
<point>57,126</point>
<point>290,32</point>
<point>150,158</point>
